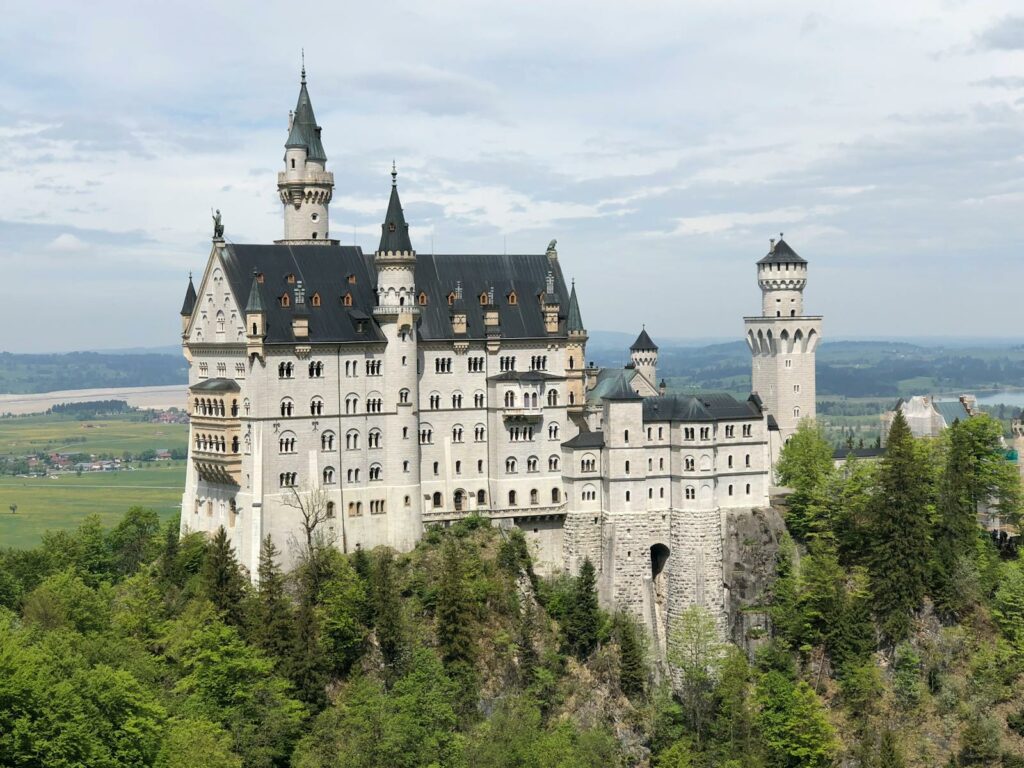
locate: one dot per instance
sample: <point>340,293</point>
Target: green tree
<point>389,624</point>
<point>696,651</point>
<point>583,617</point>
<point>64,600</point>
<point>169,567</point>
<point>190,742</point>
<point>956,522</point>
<point>1008,603</point>
<point>796,732</point>
<point>889,754</point>
<point>133,540</point>
<point>222,579</point>
<point>341,616</point>
<point>273,621</point>
<point>454,625</point>
<point>632,661</point>
<point>805,465</point>
<point>900,545</point>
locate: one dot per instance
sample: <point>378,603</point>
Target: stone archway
<point>659,588</point>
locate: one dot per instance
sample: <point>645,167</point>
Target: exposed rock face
<point>751,542</point>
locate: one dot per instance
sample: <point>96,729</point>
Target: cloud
<point>1010,83</point>
<point>719,223</point>
<point>1007,34</point>
<point>66,243</point>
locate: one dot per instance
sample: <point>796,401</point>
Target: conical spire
<point>574,322</point>
<point>190,298</point>
<point>305,133</point>
<point>644,343</point>
<point>255,296</point>
<point>394,232</point>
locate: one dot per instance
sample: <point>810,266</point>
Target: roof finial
<point>303,66</point>
<point>190,275</point>
<point>780,235</point>
<point>394,174</point>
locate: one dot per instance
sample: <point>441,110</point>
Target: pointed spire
<point>574,321</point>
<point>644,342</point>
<point>190,298</point>
<point>255,296</point>
<point>305,133</point>
<point>394,232</point>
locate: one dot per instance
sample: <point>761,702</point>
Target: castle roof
<point>704,406</point>
<point>781,253</point>
<point>190,298</point>
<point>644,343</point>
<point>586,439</point>
<point>255,302</point>
<point>620,389</point>
<point>574,321</point>
<point>527,376</point>
<point>332,271</point>
<point>394,232</point>
<point>305,133</point>
<point>216,385</point>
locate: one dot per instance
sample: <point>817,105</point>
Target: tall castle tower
<point>644,356</point>
<point>396,313</point>
<point>305,185</point>
<point>783,340</point>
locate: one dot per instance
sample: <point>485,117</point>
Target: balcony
<point>524,414</point>
<point>221,468</point>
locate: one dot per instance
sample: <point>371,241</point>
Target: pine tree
<point>387,612</point>
<point>889,755</point>
<point>805,465</point>
<point>306,666</point>
<point>273,621</point>
<point>632,667</point>
<point>222,579</point>
<point>455,627</point>
<point>956,526</point>
<point>584,619</point>
<point>170,569</point>
<point>900,533</point>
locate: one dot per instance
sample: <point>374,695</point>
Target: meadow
<point>61,501</point>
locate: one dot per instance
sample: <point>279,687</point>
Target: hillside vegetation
<point>898,640</point>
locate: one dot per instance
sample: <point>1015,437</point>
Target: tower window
<point>423,299</point>
<point>314,216</point>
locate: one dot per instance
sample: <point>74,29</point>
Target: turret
<point>255,319</point>
<point>188,305</point>
<point>305,186</point>
<point>576,352</point>
<point>782,275</point>
<point>395,261</point>
<point>644,356</point>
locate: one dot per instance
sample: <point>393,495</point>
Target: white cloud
<point>66,243</point>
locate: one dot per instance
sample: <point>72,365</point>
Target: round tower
<point>305,186</point>
<point>644,356</point>
<point>783,341</point>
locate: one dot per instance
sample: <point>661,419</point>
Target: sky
<point>661,143</point>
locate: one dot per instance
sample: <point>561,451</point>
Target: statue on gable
<point>218,227</point>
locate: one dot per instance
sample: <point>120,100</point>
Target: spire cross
<point>394,174</point>
<point>303,66</point>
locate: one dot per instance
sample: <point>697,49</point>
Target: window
<point>531,464</point>
<point>284,370</point>
<point>287,479</point>
<point>730,490</point>
<point>408,501</point>
<point>374,405</point>
<point>327,441</point>
<point>688,433</point>
<point>422,301</point>
<point>351,440</point>
<point>747,430</point>
<point>589,494</point>
<point>437,468</point>
<point>355,509</point>
<point>479,465</point>
<point>403,396</point>
<point>552,397</point>
<point>458,467</point>
<point>553,463</point>
<point>534,496</point>
<point>510,399</point>
<point>285,300</point>
<point>691,492</point>
<point>510,466</point>
<point>796,387</point>
<point>475,364</point>
<point>457,400</point>
<point>649,433</point>
<point>730,430</point>
<point>556,496</point>
<point>478,400</point>
<point>435,401</point>
<point>286,442</point>
<point>627,495</point>
<point>729,462</point>
<point>287,406</point>
<point>316,370</point>
<point>373,367</point>
<point>746,460</point>
<point>748,489</point>
<point>511,498</point>
<point>796,412</point>
<point>479,433</point>
<point>328,475</point>
<point>789,363</point>
<point>705,433</point>
<point>377,507</point>
<point>588,464</point>
<point>457,433</point>
<point>436,499</point>
<point>426,435</point>
<point>552,431</point>
<point>660,432</point>
<point>351,404</point>
<point>315,299</point>
<point>352,475</point>
<point>512,298</point>
<point>316,407</point>
<point>375,472</point>
<point>661,463</point>
<point>405,466</point>
<point>650,464</point>
<point>330,510</point>
<point>481,496</point>
<point>373,438</point>
<point>627,467</point>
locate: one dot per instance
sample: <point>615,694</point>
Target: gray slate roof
<point>216,385</point>
<point>190,299</point>
<point>324,269</point>
<point>394,232</point>
<point>705,406</point>
<point>782,254</point>
<point>305,133</point>
<point>586,440</point>
<point>643,342</point>
<point>621,390</point>
<point>951,410</point>
<point>574,321</point>
<point>525,376</point>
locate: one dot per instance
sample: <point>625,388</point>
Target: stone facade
<point>392,391</point>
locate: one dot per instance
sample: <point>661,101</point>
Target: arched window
<point>352,440</point>
<point>556,496</point>
<point>691,492</point>
<point>328,475</point>
<point>534,496</point>
<point>373,438</point>
<point>552,431</point>
<point>627,467</point>
<point>688,464</point>
<point>552,397</point>
<point>510,465</point>
<point>287,406</point>
<point>437,499</point>
<point>316,407</point>
<point>510,399</point>
<point>457,433</point>
<point>327,440</point>
<point>375,472</point>
<point>423,299</point>
<point>531,464</point>
<point>330,510</point>
<point>746,460</point>
<point>481,496</point>
<point>403,396</point>
<point>511,498</point>
<point>553,463</point>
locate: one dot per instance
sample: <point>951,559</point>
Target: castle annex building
<point>380,393</point>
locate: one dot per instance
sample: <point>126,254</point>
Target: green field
<point>63,500</point>
<point>49,503</point>
<point>113,435</point>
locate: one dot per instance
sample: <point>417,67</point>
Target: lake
<point>1014,397</point>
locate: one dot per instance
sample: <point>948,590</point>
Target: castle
<point>364,397</point>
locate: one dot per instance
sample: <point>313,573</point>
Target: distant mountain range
<point>880,369</point>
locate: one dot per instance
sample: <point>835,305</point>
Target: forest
<point>897,640</point>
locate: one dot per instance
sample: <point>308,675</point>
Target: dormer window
<point>451,298</point>
<point>512,298</point>
<point>347,299</point>
<point>351,279</point>
<point>483,299</point>
<point>391,226</point>
<point>315,300</point>
<point>259,278</point>
<point>360,326</point>
<point>290,278</point>
<point>286,300</point>
<point>423,299</point>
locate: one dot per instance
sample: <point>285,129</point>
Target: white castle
<point>378,394</point>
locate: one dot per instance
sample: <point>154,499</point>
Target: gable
<point>217,316</point>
